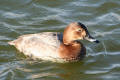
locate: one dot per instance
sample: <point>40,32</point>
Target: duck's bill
<point>91,39</point>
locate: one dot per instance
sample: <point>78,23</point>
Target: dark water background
<point>102,17</point>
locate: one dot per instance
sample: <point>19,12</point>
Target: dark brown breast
<point>73,52</point>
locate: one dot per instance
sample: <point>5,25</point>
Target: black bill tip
<point>97,41</point>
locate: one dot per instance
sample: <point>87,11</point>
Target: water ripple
<point>109,18</point>
<point>113,66</point>
<point>96,72</point>
<point>13,15</point>
<point>40,75</point>
<point>20,17</point>
<point>86,4</point>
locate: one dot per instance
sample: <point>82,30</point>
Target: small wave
<point>109,18</point>
<point>114,53</point>
<point>55,11</point>
<point>4,38</point>
<point>96,72</point>
<point>86,4</point>
<point>13,15</point>
<point>11,27</point>
<point>103,33</point>
<point>103,53</point>
<point>7,69</point>
<point>110,77</point>
<point>24,69</point>
<point>113,66</point>
<point>40,75</point>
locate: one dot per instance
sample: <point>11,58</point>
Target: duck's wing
<point>44,39</point>
<point>50,38</point>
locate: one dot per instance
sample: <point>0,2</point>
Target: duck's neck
<point>72,50</point>
<point>67,36</point>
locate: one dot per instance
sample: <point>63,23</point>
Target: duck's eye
<point>79,30</point>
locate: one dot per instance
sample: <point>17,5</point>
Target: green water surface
<point>102,17</point>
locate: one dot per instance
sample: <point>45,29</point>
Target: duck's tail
<point>12,42</point>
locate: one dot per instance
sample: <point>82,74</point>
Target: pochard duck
<point>55,46</point>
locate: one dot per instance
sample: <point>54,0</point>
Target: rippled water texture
<point>102,17</point>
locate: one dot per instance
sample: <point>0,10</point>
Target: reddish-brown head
<point>76,31</point>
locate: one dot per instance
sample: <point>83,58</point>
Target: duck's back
<point>41,45</point>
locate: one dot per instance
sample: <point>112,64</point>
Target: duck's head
<point>76,31</point>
